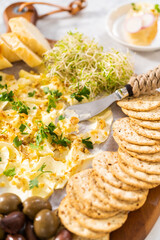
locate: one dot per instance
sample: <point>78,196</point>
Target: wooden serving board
<point>140,222</point>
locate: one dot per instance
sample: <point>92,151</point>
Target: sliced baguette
<point>21,50</point>
<point>7,52</point>
<point>4,63</point>
<point>29,35</point>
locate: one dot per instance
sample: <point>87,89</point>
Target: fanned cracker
<point>84,192</point>
<point>150,168</point>
<point>155,179</point>
<point>102,163</point>
<point>149,133</point>
<point>142,103</point>
<point>126,132</point>
<point>114,202</point>
<point>98,225</point>
<point>132,196</point>
<point>85,208</point>
<point>147,124</point>
<point>155,157</point>
<point>152,115</point>
<point>136,148</point>
<point>72,224</point>
<point>119,173</point>
<point>106,237</point>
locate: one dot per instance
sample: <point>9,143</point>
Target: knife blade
<point>90,109</point>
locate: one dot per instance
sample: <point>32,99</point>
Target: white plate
<point>115,29</point>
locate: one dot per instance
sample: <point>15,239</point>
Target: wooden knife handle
<point>29,12</point>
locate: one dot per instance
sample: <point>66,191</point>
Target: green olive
<point>2,233</point>
<point>32,205</point>
<point>9,202</point>
<point>45,224</point>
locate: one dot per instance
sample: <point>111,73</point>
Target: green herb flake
<point>46,90</point>
<point>3,86</point>
<point>1,78</point>
<point>34,108</point>
<point>4,131</point>
<point>41,134</point>
<point>79,96</point>
<point>157,7</point>
<point>0,159</point>
<point>10,172</point>
<point>20,107</point>
<point>31,94</point>
<point>22,128</point>
<point>34,182</point>
<point>17,142</point>
<point>61,117</point>
<point>87,143</point>
<point>5,96</point>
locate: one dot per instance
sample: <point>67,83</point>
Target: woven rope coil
<point>145,83</point>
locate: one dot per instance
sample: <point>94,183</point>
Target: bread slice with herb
<point>23,52</point>
<point>29,35</point>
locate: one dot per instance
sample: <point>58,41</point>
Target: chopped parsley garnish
<point>5,96</point>
<point>46,90</point>
<point>10,172</point>
<point>0,78</point>
<point>157,7</point>
<point>53,98</point>
<point>3,86</point>
<point>87,143</point>
<point>23,127</point>
<point>31,94</point>
<point>79,96</point>
<point>61,117</point>
<point>34,182</point>
<point>41,134</point>
<point>0,159</point>
<point>61,141</point>
<point>17,142</point>
<point>51,127</point>
<point>34,107</point>
<point>20,107</point>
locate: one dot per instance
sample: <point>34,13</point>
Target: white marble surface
<point>91,21</point>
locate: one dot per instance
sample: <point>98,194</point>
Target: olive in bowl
<point>9,202</point>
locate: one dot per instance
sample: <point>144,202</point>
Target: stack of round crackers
<point>98,200</point>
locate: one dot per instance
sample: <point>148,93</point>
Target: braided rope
<point>145,83</point>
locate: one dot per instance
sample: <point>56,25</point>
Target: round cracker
<point>84,192</point>
<point>119,173</point>
<point>102,163</point>
<point>155,179</point>
<point>152,115</point>
<point>132,196</point>
<point>106,237</point>
<point>126,132</point>
<point>150,168</point>
<point>155,157</point>
<point>149,133</point>
<point>136,148</point>
<point>114,202</point>
<point>147,124</point>
<point>85,208</point>
<point>97,225</point>
<point>70,222</point>
<point>142,103</point>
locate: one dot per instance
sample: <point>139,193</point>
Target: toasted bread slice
<point>7,52</point>
<point>4,63</point>
<point>21,50</point>
<point>29,35</point>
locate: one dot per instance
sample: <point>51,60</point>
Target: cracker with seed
<point>155,179</point>
<point>142,103</point>
<point>149,133</point>
<point>116,203</point>
<point>131,196</point>
<point>150,168</point>
<point>70,222</point>
<point>154,157</point>
<point>146,124</point>
<point>136,148</point>
<point>120,174</point>
<point>85,208</point>
<point>125,131</point>
<point>152,115</point>
<point>75,237</point>
<point>102,163</point>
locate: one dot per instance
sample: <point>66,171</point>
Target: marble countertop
<point>91,21</point>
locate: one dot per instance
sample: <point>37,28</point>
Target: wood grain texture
<point>140,222</point>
